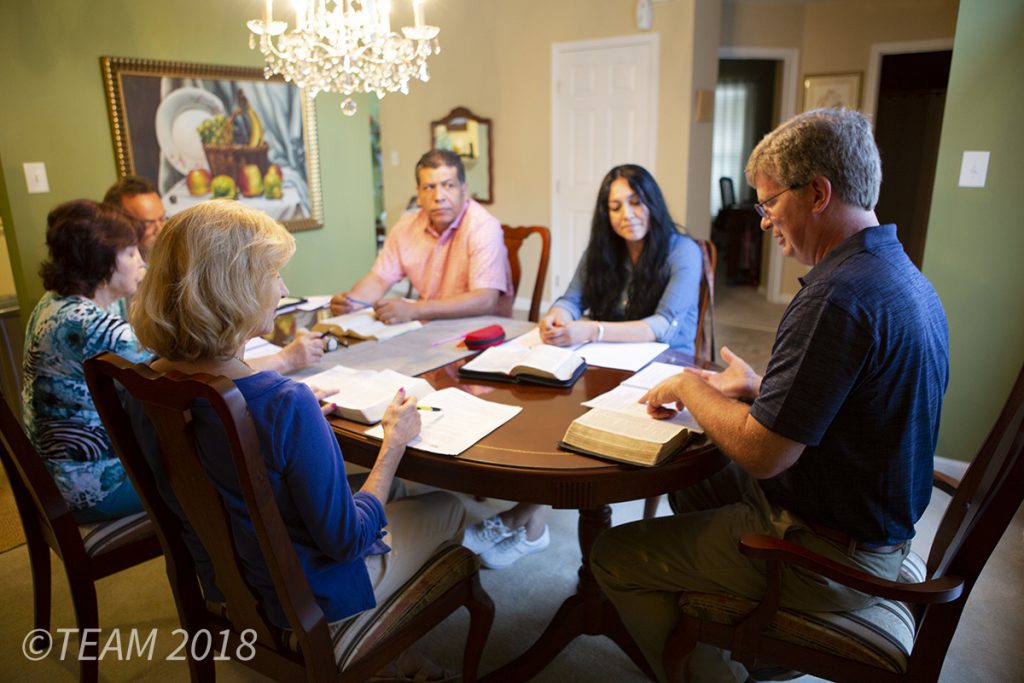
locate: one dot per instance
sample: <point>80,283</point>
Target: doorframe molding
<point>558,50</point>
<point>874,73</point>
<point>790,58</point>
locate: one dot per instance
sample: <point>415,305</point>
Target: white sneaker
<point>505,553</point>
<point>486,534</point>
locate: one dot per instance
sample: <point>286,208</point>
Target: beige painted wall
<point>834,36</point>
<point>504,73</point>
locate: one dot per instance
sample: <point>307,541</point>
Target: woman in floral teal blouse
<point>94,261</point>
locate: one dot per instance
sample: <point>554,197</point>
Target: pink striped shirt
<point>470,254</point>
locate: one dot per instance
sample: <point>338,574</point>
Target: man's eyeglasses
<point>762,207</point>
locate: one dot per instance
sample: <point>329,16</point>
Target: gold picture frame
<point>823,91</point>
<point>156,109</point>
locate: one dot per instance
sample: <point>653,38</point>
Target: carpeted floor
<point>526,596</point>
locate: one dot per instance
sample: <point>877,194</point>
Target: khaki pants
<point>417,526</point>
<point>643,566</point>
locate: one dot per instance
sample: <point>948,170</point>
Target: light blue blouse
<point>674,321</point>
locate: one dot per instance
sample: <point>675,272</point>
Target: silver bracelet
<point>600,332</point>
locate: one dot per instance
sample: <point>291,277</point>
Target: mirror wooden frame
<point>472,144</point>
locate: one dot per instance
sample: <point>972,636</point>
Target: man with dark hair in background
<point>139,198</point>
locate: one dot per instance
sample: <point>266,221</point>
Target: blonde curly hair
<point>200,297</point>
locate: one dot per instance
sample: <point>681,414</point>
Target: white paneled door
<point>604,113</point>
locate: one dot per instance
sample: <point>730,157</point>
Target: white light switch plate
<point>35,177</point>
<point>973,169</point>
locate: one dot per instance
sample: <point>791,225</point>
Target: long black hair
<point>607,258</point>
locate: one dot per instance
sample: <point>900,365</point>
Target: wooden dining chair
<point>514,238</point>
<point>309,649</point>
<point>905,636</point>
<point>704,344</point>
<point>89,552</point>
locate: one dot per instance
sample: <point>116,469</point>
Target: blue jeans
<point>120,502</point>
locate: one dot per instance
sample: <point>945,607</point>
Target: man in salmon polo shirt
<point>451,249</point>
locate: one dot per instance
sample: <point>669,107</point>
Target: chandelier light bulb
<point>346,47</point>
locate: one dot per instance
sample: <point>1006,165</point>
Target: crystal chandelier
<point>345,46</point>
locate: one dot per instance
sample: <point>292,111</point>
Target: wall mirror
<point>469,136</point>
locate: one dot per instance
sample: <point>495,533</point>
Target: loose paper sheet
<point>463,420</point>
<point>624,399</point>
<point>621,355</point>
<point>653,374</point>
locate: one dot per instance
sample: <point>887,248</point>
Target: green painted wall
<point>975,250</point>
<point>54,111</point>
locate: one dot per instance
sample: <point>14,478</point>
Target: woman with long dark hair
<point>639,279</point>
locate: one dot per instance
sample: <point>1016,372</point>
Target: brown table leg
<point>586,612</point>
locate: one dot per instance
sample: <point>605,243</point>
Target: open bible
<point>364,395</point>
<point>364,325</point>
<point>542,364</point>
<point>618,428</point>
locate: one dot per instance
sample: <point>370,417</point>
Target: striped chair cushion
<point>355,636</point>
<point>881,635</point>
<point>102,537</point>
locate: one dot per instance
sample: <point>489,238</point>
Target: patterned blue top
<point>60,417</point>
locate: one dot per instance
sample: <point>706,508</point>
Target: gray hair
<point>835,143</point>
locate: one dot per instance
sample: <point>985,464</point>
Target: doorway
<point>908,122</point>
<point>784,63</point>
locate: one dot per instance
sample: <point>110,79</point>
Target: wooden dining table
<point>522,461</point>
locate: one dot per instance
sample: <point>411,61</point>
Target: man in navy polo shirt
<point>831,449</point>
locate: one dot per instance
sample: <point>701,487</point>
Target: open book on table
<point>460,421</point>
<point>364,325</point>
<point>543,364</point>
<point>364,395</point>
<point>619,428</point>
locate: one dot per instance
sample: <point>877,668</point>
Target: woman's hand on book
<point>401,420</point>
<point>321,394</point>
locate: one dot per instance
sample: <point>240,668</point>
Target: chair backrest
<point>45,515</point>
<point>704,348</point>
<point>728,193</point>
<point>982,508</point>
<point>167,401</point>
<point>514,237</point>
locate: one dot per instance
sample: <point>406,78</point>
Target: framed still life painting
<point>200,131</point>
